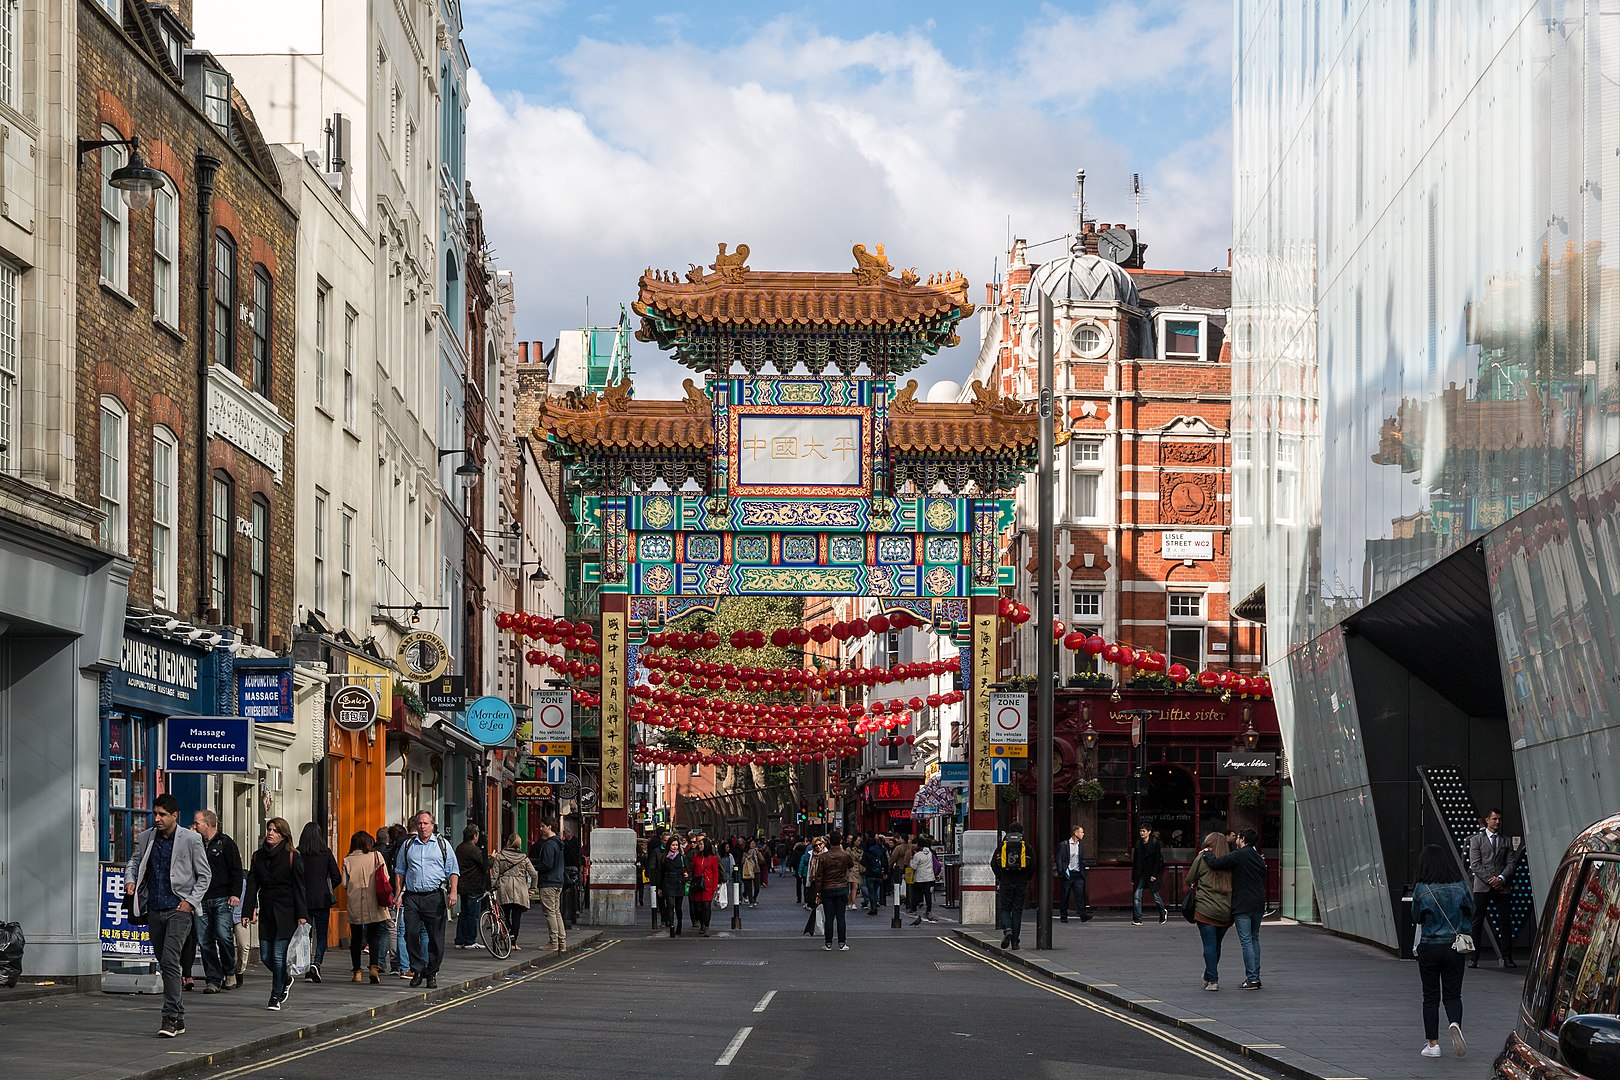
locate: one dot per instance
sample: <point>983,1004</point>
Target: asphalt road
<point>667,1008</point>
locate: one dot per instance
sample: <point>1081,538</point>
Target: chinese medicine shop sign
<point>207,744</point>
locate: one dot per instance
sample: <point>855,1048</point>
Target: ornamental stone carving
<point>1189,498</point>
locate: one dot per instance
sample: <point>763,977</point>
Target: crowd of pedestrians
<point>199,898</point>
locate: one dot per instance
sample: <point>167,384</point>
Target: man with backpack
<point>1013,865</point>
<point>875,870</point>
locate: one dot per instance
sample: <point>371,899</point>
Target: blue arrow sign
<point>1001,770</point>
<point>556,770</point>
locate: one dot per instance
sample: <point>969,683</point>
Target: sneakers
<point>1006,942</point>
<point>476,945</point>
<point>930,918</point>
<point>211,988</point>
<point>1136,922</point>
<point>1459,1045</point>
<point>313,974</point>
<point>1250,984</point>
<point>407,974</point>
<point>827,947</point>
<point>845,948</point>
<point>1163,916</point>
<point>286,992</point>
<point>275,1005</point>
<point>1212,986</point>
<point>170,1028</point>
<point>1430,1051</point>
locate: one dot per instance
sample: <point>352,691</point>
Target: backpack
<point>876,864</point>
<point>1009,857</point>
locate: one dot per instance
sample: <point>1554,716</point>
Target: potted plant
<point>1086,791</point>
<point>1090,680</point>
<point>1249,794</point>
<point>405,697</point>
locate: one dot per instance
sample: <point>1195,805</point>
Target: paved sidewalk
<point>114,1036</point>
<point>1329,1008</point>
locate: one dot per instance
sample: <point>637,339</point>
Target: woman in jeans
<point>672,878</point>
<point>1214,911</point>
<point>1442,907</point>
<point>922,880</point>
<point>368,920</point>
<point>321,877</point>
<point>274,898</point>
<point>514,879</point>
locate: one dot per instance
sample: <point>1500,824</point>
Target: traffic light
<point>804,810</point>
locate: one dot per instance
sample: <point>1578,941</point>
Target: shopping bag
<point>720,900</point>
<point>300,951</point>
<point>821,920</point>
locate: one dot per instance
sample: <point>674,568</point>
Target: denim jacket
<point>1434,905</point>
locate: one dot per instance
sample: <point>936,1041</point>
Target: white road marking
<point>764,1001</point>
<point>735,1045</point>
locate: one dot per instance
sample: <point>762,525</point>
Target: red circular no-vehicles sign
<point>1009,718</point>
<point>551,720</point>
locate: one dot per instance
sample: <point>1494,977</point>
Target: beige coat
<point>514,877</point>
<point>359,882</point>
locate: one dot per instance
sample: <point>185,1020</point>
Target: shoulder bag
<point>381,885</point>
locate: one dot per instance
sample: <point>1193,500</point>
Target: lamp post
<point>1139,721</point>
<point>1045,605</point>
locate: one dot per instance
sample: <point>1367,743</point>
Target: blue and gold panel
<point>800,549</point>
<point>944,580</point>
<point>702,547</point>
<point>797,580</point>
<point>656,580</point>
<point>659,512</point>
<point>942,549</point>
<point>943,515</point>
<point>655,547</point>
<point>896,548</point>
<point>798,390</point>
<point>846,549</point>
<point>751,548</point>
<point>817,515</point>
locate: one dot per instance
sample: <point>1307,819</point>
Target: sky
<point>607,138</point>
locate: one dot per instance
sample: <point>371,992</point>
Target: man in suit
<point>167,877</point>
<point>1070,868</point>
<point>1491,863</point>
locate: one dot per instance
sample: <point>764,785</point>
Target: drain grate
<point>955,967</point>
<point>735,963</point>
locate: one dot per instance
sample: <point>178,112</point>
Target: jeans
<point>1440,970</point>
<point>425,911</point>
<point>1212,935</point>
<point>874,892</point>
<point>364,935</point>
<point>1013,897</point>
<point>1136,899</point>
<point>834,902</point>
<point>216,940</point>
<point>1073,885</point>
<point>1248,932</point>
<point>467,921</point>
<point>273,954</point>
<point>922,896</point>
<point>319,920</point>
<point>169,930</point>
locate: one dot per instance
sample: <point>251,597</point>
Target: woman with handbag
<point>1212,910</point>
<point>321,878</point>
<point>672,878</point>
<point>365,876</point>
<point>514,878</point>
<point>274,898</point>
<point>1443,909</point>
<point>705,883</point>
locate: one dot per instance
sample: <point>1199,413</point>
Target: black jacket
<point>1060,867</point>
<point>473,862</point>
<point>1248,868</point>
<point>225,860</point>
<point>1013,874</point>
<point>1147,861</point>
<point>672,874</point>
<point>275,892</point>
<point>321,876</point>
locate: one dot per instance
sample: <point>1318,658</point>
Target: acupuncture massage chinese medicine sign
<point>207,744</point>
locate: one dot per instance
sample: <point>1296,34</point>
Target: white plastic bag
<point>300,951</point>
<point>720,900</point>
<point>821,920</point>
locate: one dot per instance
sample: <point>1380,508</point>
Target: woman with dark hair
<point>274,898</point>
<point>367,911</point>
<point>672,878</point>
<point>321,878</point>
<point>705,883</point>
<point>1442,907</point>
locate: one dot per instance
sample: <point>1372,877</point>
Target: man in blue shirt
<point>425,870</point>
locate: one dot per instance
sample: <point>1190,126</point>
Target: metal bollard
<point>736,904</point>
<point>895,922</point>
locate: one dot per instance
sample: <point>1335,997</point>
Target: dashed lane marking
<point>764,1001</point>
<point>1147,1028</point>
<point>476,995</point>
<point>734,1046</point>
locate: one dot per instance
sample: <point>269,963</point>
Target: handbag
<point>131,916</point>
<point>911,876</point>
<point>1189,904</point>
<point>382,886</point>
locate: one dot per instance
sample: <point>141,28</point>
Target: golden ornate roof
<point>614,420</point>
<point>868,295</point>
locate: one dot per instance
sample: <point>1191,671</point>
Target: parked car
<point>1568,1024</point>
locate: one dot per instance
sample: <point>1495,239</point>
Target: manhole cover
<point>955,967</point>
<point>735,963</point>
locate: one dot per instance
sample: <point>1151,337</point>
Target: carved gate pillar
<point>613,842</point>
<point>978,882</point>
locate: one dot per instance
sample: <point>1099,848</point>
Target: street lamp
<point>539,571</point>
<point>466,468</point>
<point>1251,737</point>
<point>135,178</point>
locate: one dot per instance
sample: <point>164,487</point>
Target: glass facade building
<point>1426,389</point>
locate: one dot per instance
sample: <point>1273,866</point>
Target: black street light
<point>466,468</point>
<point>135,178</point>
<point>539,571</point>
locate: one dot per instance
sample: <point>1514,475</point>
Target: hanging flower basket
<point>1249,794</point>
<point>1086,791</point>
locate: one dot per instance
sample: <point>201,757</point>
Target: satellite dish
<point>1116,245</point>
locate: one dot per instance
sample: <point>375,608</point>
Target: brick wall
<point>153,368</point>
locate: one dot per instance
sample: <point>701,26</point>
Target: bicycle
<point>493,932</point>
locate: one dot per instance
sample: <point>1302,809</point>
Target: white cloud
<point>801,143</point>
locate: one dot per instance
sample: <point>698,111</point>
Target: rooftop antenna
<point>1136,192</point>
<point>1079,209</point>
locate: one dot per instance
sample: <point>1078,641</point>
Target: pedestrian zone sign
<point>1000,771</point>
<point>556,770</point>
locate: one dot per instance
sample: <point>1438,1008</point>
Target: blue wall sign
<point>265,695</point>
<point>1001,770</point>
<point>556,770</point>
<point>207,744</point>
<point>119,936</point>
<point>491,721</point>
<point>163,676</point>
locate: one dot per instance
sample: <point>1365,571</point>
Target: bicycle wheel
<point>500,939</point>
<point>486,929</point>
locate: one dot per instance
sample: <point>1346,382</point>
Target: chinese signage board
<point>447,693</point>
<point>164,676</point>
<point>531,789</point>
<point>776,450</point>
<point>265,695</point>
<point>120,939</point>
<point>614,721</point>
<point>1245,763</point>
<point>1188,545</point>
<point>207,744</point>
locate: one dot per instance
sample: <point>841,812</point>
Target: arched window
<point>114,475</point>
<point>166,254</point>
<point>261,330</point>
<point>259,573</point>
<point>114,218</point>
<point>224,299</point>
<point>222,547</point>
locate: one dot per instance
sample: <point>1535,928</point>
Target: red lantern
<point>858,628</point>
<point>711,640</point>
<point>1073,640</point>
<point>840,630</point>
<point>1112,653</point>
<point>878,624</point>
<point>821,633</point>
<point>1208,679</point>
<point>799,635</point>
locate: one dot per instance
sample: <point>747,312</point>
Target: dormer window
<point>217,98</point>
<point>173,46</point>
<point>1181,337</point>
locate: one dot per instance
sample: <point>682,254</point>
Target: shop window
<point>128,759</point>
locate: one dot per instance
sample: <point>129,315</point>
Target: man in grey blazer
<point>1491,862</point>
<point>1070,868</point>
<point>167,875</point>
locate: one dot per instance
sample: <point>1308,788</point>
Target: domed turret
<point>1085,278</point>
<point>944,392</point>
